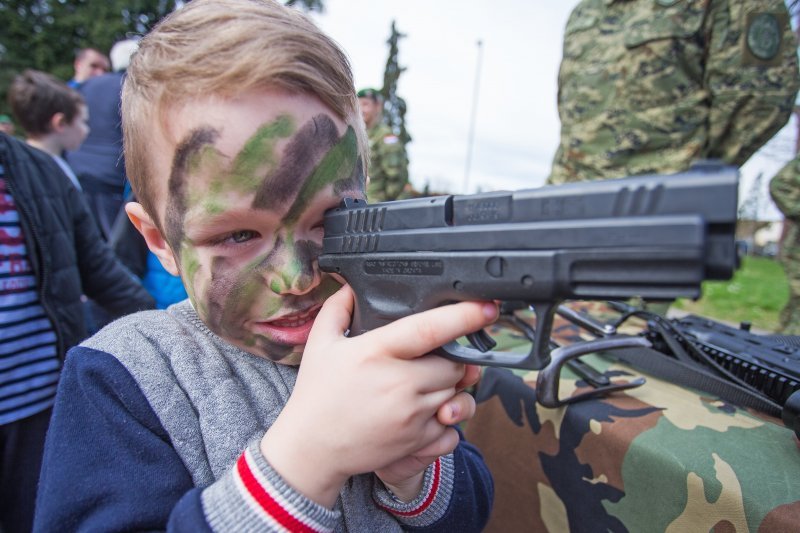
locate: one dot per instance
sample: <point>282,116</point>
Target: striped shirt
<point>29,364</point>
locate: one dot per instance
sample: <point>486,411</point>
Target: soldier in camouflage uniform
<point>388,167</point>
<point>785,191</point>
<point>652,85</point>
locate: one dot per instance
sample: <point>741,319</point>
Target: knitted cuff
<point>252,496</point>
<point>431,503</point>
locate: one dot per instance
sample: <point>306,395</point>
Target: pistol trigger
<point>482,341</point>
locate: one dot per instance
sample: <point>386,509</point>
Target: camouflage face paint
<point>176,201</point>
<point>303,153</point>
<point>316,152</point>
<point>236,293</point>
<point>237,288</point>
<point>340,166</point>
<point>244,176</point>
<point>232,293</point>
<point>257,158</point>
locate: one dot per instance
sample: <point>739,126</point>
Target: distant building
<point>759,237</point>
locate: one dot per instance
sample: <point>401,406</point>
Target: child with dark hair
<point>54,116</point>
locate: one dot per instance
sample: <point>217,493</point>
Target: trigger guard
<point>466,354</point>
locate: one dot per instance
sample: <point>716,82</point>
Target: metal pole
<point>471,137</point>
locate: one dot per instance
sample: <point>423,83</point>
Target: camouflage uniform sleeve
<point>751,75</point>
<point>652,85</point>
<point>395,167</point>
<point>564,168</point>
<point>785,189</point>
<point>388,168</point>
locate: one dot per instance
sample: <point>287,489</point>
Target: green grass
<point>757,293</point>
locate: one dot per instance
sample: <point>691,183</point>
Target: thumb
<point>335,316</point>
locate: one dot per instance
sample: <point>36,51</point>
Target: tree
<point>45,34</point>
<point>394,107</point>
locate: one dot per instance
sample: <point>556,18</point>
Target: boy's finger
<point>459,408</point>
<point>444,444</point>
<point>335,315</point>
<point>421,333</point>
<point>472,374</point>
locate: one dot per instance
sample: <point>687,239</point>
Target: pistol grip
<point>367,316</point>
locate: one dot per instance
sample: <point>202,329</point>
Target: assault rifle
<point>760,371</point>
<point>653,236</point>
<point>768,366</point>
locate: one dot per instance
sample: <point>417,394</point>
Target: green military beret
<point>5,118</point>
<point>375,94</point>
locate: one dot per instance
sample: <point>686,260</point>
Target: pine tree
<point>394,107</point>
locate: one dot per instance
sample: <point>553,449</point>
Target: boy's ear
<point>57,122</point>
<point>152,236</point>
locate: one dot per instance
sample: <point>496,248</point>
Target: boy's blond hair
<point>223,48</point>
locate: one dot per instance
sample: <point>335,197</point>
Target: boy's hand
<point>377,402</point>
<point>405,476</point>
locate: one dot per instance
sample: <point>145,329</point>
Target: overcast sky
<point>516,124</point>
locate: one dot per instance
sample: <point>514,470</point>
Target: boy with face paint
<point>241,129</point>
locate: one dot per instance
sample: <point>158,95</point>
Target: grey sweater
<point>214,400</point>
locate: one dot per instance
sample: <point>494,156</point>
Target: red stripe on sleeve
<point>437,466</point>
<point>266,501</point>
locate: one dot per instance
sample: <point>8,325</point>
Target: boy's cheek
<point>339,279</point>
<point>294,358</point>
<point>195,279</point>
<point>198,296</point>
<point>330,284</point>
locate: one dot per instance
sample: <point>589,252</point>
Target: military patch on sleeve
<point>391,139</point>
<point>763,38</point>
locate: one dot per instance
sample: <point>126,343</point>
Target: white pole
<point>471,137</point>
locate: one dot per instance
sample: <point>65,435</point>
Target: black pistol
<point>652,236</point>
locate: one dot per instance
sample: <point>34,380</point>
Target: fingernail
<point>455,411</point>
<point>490,310</point>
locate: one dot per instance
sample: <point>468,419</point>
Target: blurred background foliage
<point>756,294</point>
<point>46,34</point>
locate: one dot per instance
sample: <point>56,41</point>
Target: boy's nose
<point>297,274</point>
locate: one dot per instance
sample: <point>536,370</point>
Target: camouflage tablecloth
<point>656,458</point>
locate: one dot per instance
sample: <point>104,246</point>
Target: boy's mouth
<point>296,319</point>
<point>290,330</point>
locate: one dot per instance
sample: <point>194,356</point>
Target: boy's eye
<point>229,239</point>
<point>241,236</point>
